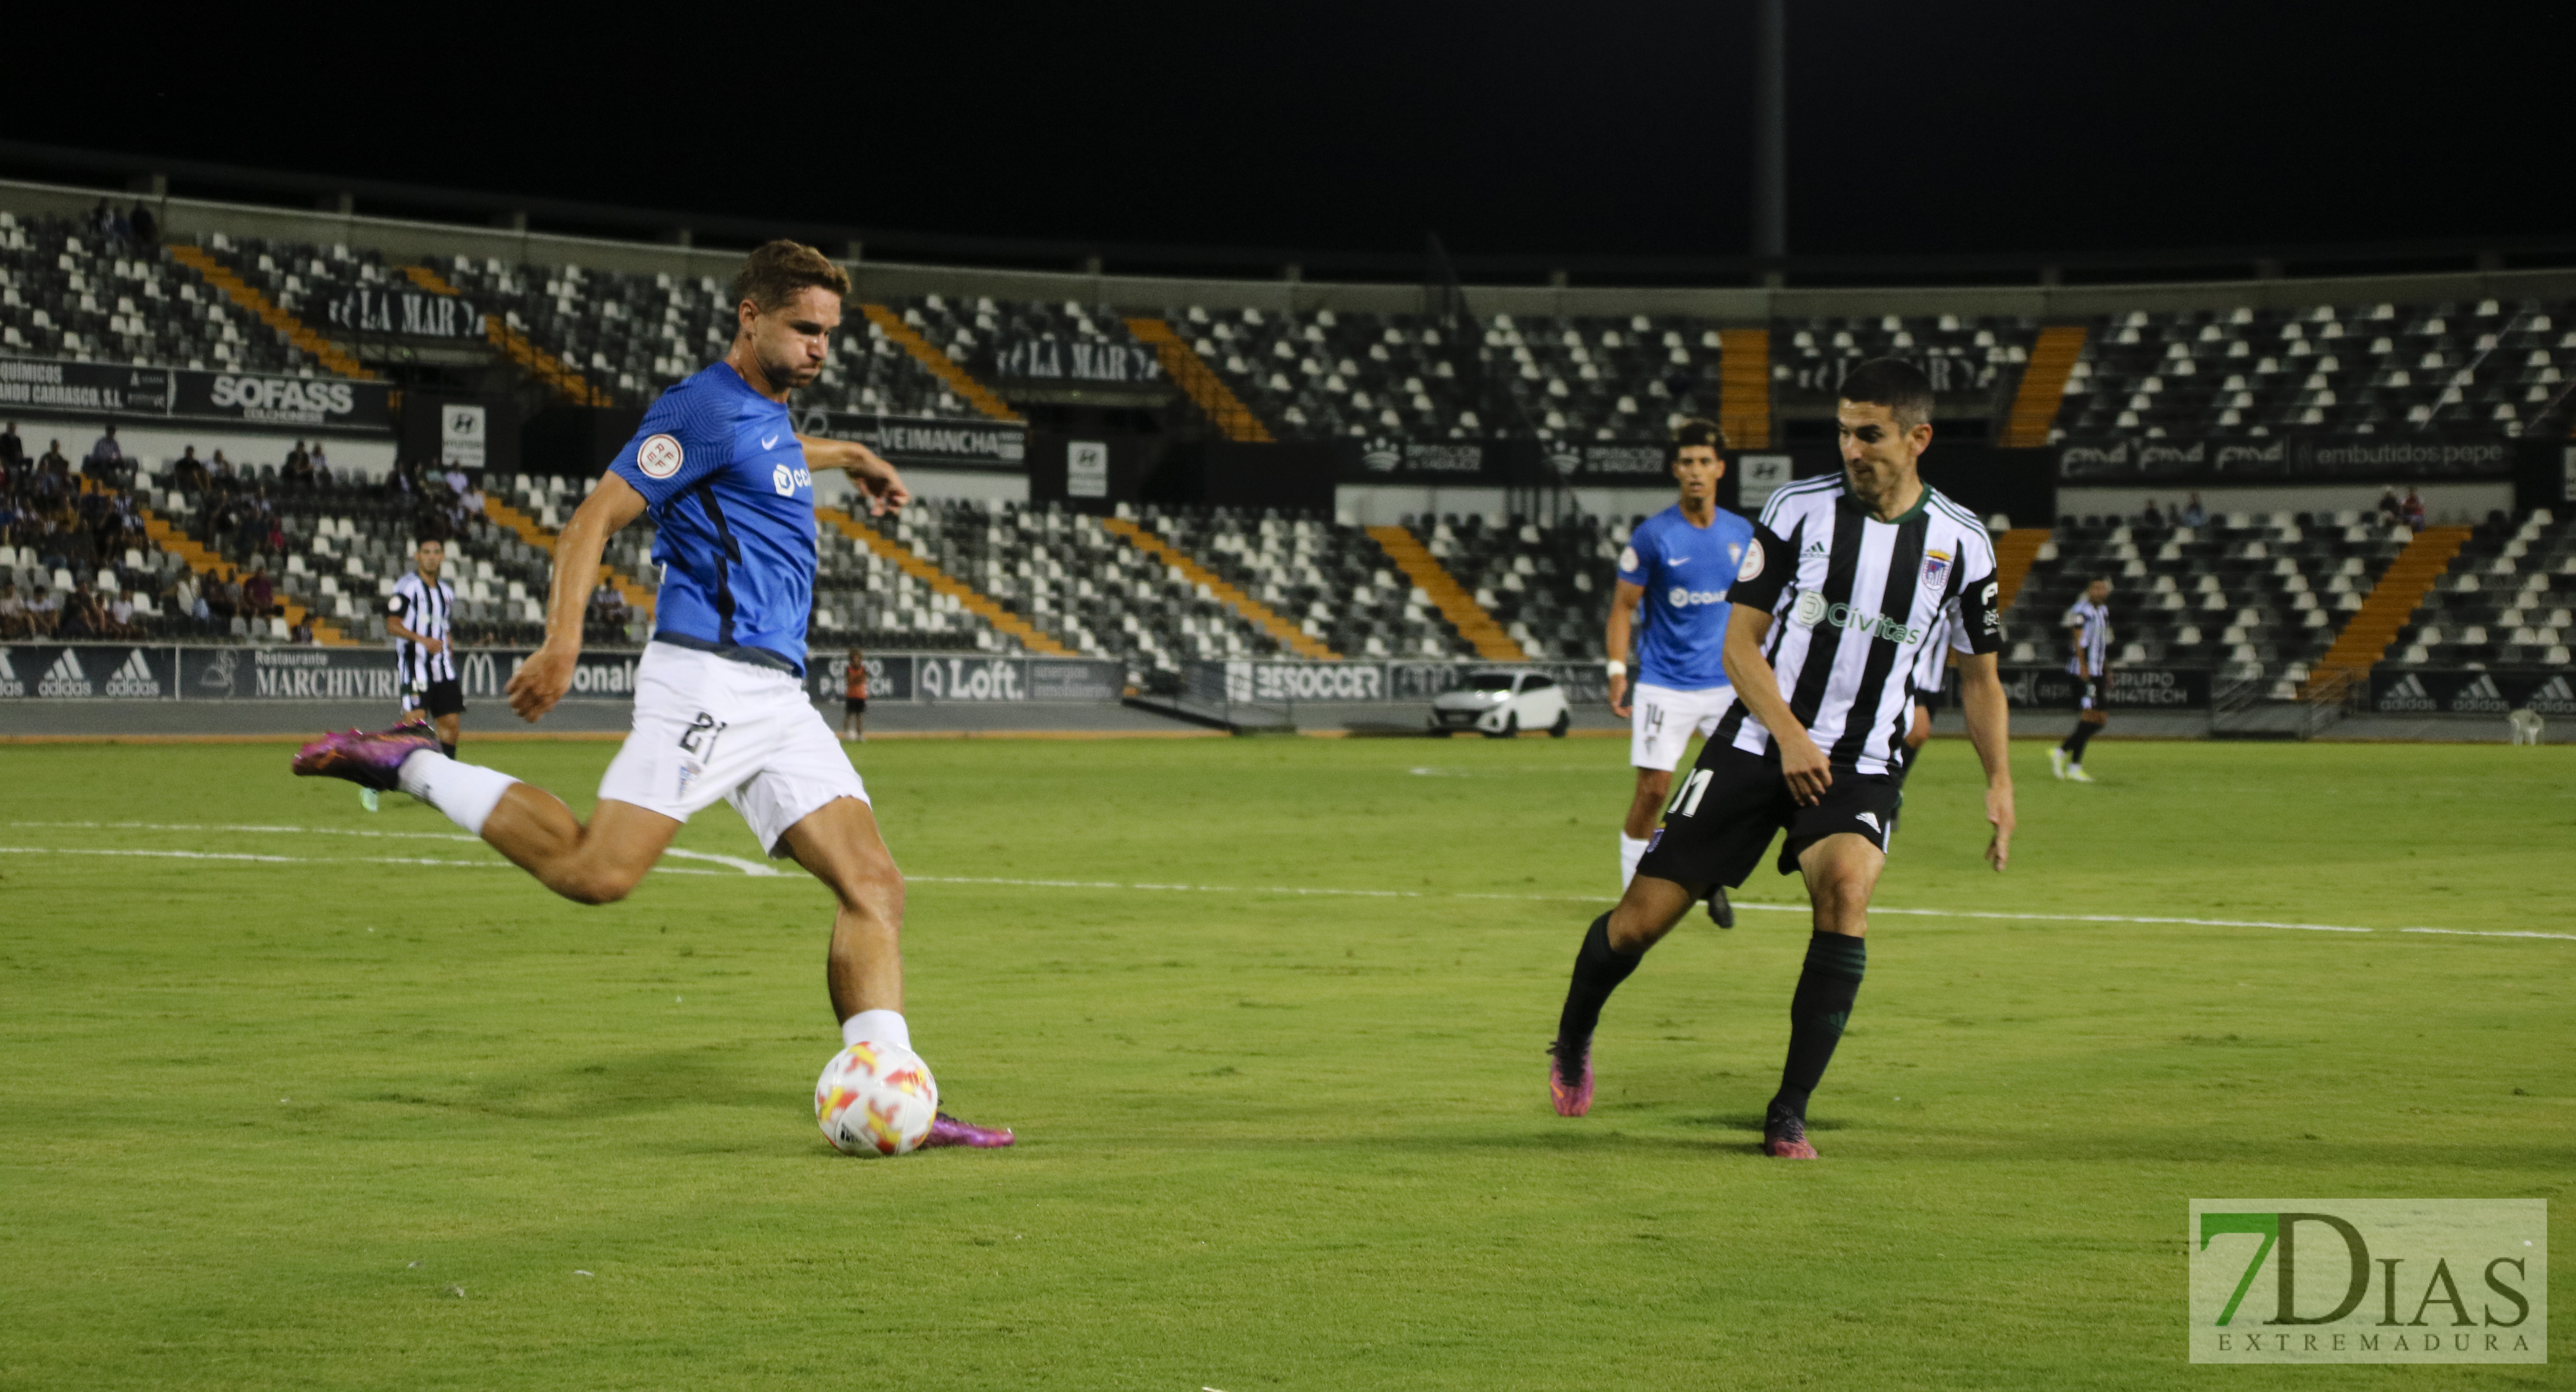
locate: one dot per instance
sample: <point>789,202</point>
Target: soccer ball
<point>875,1098</point>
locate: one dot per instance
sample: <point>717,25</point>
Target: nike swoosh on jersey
<point>1677,560</point>
<point>769,443</point>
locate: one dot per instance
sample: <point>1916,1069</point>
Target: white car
<point>1499,705</point>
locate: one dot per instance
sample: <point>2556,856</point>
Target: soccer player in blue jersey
<point>720,704</point>
<point>1674,573</point>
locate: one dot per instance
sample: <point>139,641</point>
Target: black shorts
<point>445,696</point>
<point>1717,827</point>
<point>856,705</point>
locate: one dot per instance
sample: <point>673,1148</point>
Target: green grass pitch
<point>323,1122</point>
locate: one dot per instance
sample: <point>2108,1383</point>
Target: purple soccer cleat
<point>368,760</point>
<point>1572,1096</point>
<point>946,1130</point>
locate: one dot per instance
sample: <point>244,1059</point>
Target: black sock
<point>1817,1014</point>
<point>1598,970</point>
<point>2074,745</point>
<point>447,749</point>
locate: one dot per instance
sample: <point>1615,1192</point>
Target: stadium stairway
<point>1269,620</point>
<point>975,601</point>
<point>239,291</point>
<point>1207,390</point>
<point>639,597</point>
<point>2385,610</point>
<point>2014,551</point>
<point>204,562</point>
<point>1744,387</point>
<point>2043,386</point>
<point>958,379</point>
<point>1455,604</point>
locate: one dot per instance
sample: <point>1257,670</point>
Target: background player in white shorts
<point>1674,574</point>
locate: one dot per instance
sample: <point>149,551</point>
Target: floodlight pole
<point>1771,133</point>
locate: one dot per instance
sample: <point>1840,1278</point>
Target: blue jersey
<point>1685,571</point>
<point>733,505</point>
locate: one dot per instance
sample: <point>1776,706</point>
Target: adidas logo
<point>10,685</point>
<point>134,678</point>
<point>2480,695</point>
<point>2552,697</point>
<point>2407,694</point>
<point>66,677</point>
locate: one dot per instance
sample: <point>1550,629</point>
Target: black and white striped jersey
<point>427,610</point>
<point>1853,603</point>
<point>2092,625</point>
<point>1947,637</point>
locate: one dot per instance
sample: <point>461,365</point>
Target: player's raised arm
<point>1981,695</point>
<point>877,480</point>
<point>544,678</point>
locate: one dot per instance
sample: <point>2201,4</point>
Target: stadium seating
<point>2351,370</point>
<point>2505,602</point>
<point>65,293</point>
<point>2248,595</point>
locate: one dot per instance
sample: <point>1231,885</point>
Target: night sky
<point>1509,128</point>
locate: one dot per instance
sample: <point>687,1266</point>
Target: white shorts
<point>1662,720</point>
<point>708,727</point>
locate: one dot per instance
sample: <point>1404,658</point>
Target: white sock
<point>467,793</point>
<point>1631,850</point>
<point>883,1026</point>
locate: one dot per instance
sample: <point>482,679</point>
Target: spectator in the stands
<point>53,461</point>
<point>321,464</point>
<point>13,611</point>
<point>297,461</point>
<point>190,471</point>
<point>43,610</point>
<point>220,601</point>
<point>106,461</point>
<point>120,617</point>
<point>13,451</point>
<point>2193,514</point>
<point>300,632</point>
<point>2391,510</point>
<point>147,228</point>
<point>182,596</point>
<point>221,471</point>
<point>2153,518</point>
<point>259,596</point>
<point>2413,511</point>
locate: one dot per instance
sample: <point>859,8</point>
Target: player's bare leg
<point>1647,804</point>
<point>600,863</point>
<point>449,727</point>
<point>1612,947</point>
<point>1841,872</point>
<point>838,843</point>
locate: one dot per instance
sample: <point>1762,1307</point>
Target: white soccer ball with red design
<point>875,1098</point>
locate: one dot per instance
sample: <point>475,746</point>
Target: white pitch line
<point>755,868</point>
<point>296,860</point>
<point>748,867</point>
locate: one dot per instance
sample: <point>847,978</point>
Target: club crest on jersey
<point>1752,561</point>
<point>1935,565</point>
<point>659,457</point>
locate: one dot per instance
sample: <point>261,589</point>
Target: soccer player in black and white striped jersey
<point>420,617</point>
<point>1847,578</point>
<point>2088,622</point>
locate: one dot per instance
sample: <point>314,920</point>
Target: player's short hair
<point>1695,430</point>
<point>1894,383</point>
<point>428,539</point>
<point>771,276</point>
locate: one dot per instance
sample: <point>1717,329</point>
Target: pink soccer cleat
<point>1573,1097</point>
<point>946,1130</point>
<point>1785,1138</point>
<point>368,760</point>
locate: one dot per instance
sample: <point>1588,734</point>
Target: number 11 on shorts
<point>1686,797</point>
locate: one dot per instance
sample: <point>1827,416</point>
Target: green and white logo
<point>2369,1281</point>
